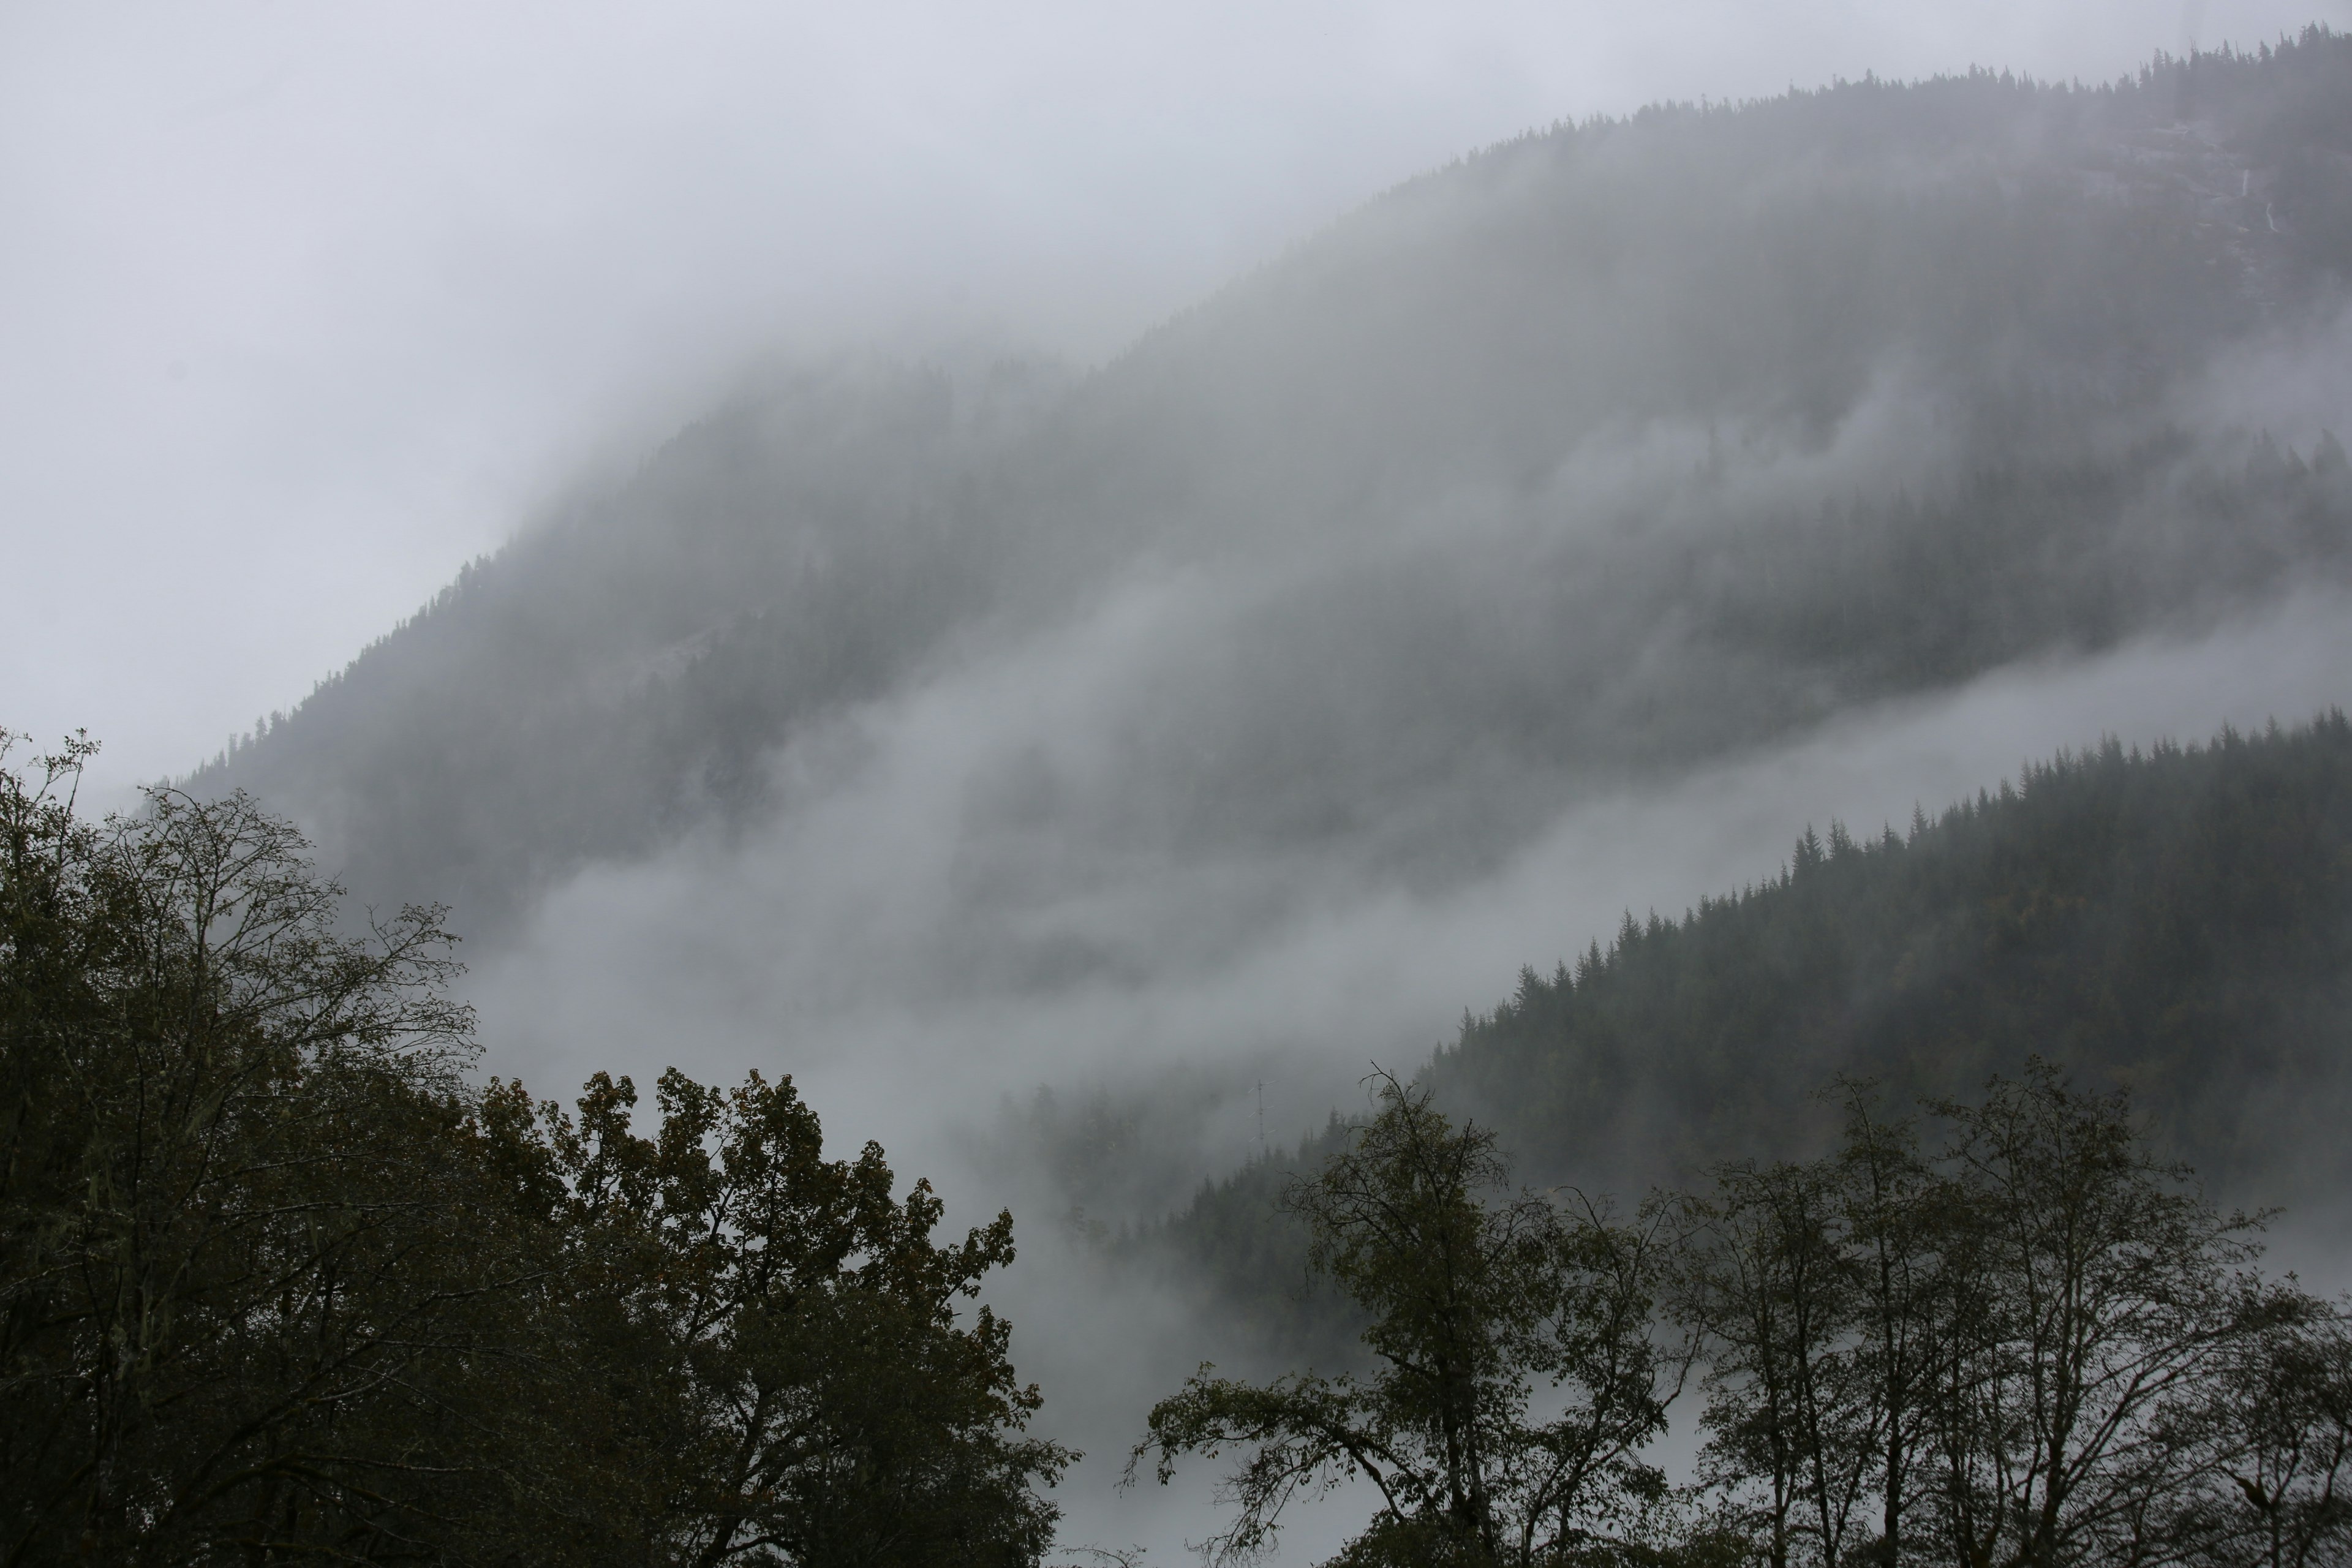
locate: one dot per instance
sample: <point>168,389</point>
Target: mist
<point>1133,565</point>
<point>307,308</point>
<point>1202,844</point>
<point>860,942</point>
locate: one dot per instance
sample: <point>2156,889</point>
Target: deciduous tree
<point>1479,1298</point>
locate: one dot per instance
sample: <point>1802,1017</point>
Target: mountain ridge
<point>1451,465</point>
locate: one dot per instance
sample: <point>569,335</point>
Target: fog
<point>986,628</point>
<point>859,942</point>
<point>304,306</point>
<point>867,941</point>
<point>1243,819</point>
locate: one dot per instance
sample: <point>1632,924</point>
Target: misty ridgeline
<point>920,733</point>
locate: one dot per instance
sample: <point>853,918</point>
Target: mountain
<point>1622,446</point>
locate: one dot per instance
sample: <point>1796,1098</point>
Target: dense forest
<point>2177,923</point>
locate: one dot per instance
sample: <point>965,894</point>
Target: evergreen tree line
<point>2000,1334</point>
<point>277,1284</point>
<point>2177,919</point>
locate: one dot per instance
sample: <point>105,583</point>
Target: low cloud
<point>909,948</point>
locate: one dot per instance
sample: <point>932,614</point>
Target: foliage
<point>2037,1347</point>
<point>795,1327</point>
<point>1765,1282</point>
<point>2015,1350</point>
<point>2091,1298</point>
<point>240,1279</point>
<point>1473,1304</point>
<point>2281,1411</point>
<point>277,1283</point>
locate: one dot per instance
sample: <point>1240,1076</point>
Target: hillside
<point>2176,921</point>
<point>1616,448</point>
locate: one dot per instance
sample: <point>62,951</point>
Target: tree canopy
<point>279,1284</point>
<point>2036,1346</point>
<point>1480,1310</point>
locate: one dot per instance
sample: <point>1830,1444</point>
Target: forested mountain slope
<point>2176,921</point>
<point>1616,448</point>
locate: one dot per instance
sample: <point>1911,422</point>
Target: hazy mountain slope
<point>1597,454</point>
<point>2179,921</point>
<point>2176,921</point>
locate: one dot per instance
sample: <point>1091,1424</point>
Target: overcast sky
<point>303,304</point>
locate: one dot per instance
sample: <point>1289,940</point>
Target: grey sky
<point>302,305</point>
